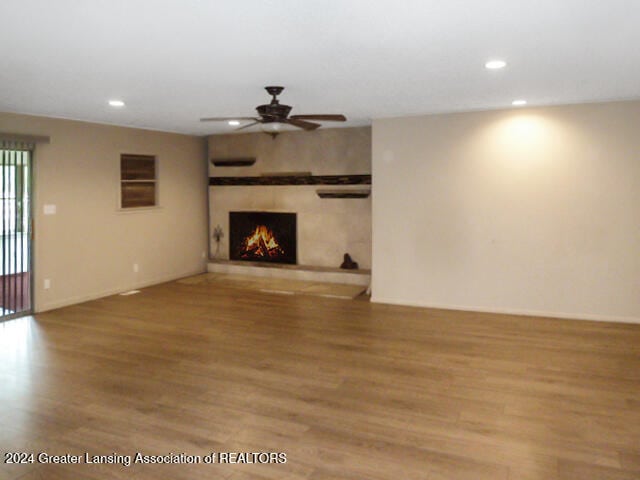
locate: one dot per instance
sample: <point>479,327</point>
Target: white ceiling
<point>174,61</point>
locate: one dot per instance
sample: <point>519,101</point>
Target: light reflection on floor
<point>15,338</point>
<point>20,349</point>
<point>19,340</point>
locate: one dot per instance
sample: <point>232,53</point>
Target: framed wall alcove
<point>138,181</point>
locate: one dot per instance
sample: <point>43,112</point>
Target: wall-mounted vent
<point>130,292</point>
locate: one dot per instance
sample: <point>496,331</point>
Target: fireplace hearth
<point>263,237</point>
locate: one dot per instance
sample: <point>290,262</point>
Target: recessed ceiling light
<point>116,103</point>
<point>234,122</point>
<point>518,103</point>
<point>495,64</point>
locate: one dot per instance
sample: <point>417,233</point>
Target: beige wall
<point>327,151</point>
<point>89,247</point>
<point>327,228</point>
<point>527,211</point>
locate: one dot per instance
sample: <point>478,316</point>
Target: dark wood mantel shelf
<point>233,162</point>
<point>343,193</point>
<point>292,180</point>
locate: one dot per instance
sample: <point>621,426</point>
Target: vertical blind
<point>15,248</point>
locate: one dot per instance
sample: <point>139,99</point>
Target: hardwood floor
<point>346,389</point>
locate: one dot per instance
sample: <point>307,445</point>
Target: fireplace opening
<point>263,237</point>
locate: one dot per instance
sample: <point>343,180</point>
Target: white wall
<point>526,211</point>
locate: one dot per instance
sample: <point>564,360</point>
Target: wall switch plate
<point>136,268</point>
<point>47,283</point>
<point>49,209</point>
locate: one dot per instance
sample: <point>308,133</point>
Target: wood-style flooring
<point>348,390</point>
<point>280,286</point>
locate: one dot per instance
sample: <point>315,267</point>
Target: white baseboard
<point>114,291</point>
<point>508,311</point>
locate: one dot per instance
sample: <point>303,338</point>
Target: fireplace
<point>263,237</point>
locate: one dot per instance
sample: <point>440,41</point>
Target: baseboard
<point>508,311</point>
<point>114,291</point>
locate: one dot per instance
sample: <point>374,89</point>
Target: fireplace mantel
<point>275,180</point>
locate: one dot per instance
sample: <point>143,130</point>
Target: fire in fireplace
<point>262,237</point>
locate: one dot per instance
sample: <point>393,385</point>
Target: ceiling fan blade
<point>331,118</point>
<point>225,119</point>
<point>247,125</point>
<point>301,124</point>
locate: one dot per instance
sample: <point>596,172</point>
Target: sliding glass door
<point>15,229</point>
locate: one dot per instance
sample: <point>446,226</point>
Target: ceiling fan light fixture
<point>272,127</point>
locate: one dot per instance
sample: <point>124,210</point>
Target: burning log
<point>261,243</point>
<point>263,249</point>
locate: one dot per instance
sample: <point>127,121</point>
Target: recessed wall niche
<point>327,227</point>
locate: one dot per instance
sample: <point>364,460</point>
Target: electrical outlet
<point>47,283</point>
<point>49,209</point>
<point>136,268</point>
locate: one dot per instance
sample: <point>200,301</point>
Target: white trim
<point>508,311</point>
<point>114,291</point>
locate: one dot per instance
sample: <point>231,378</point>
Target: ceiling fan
<point>275,114</point>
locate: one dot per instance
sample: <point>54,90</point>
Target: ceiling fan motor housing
<point>272,112</point>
